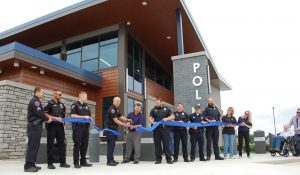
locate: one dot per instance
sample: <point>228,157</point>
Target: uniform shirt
<point>158,113</point>
<point>112,112</point>
<point>296,123</point>
<point>35,110</point>
<point>181,116</point>
<point>229,120</point>
<point>212,113</point>
<point>244,128</point>
<point>137,119</point>
<point>80,109</point>
<point>197,118</point>
<point>55,109</point>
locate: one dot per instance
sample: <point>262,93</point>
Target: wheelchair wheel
<point>273,154</point>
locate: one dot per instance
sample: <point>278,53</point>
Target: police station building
<point>135,49</point>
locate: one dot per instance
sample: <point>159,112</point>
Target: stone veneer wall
<point>14,98</point>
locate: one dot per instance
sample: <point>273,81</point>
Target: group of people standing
<point>54,112</point>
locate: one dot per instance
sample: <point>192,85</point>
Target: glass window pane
<point>90,65</point>
<point>90,51</point>
<point>130,48</point>
<point>159,75</point>
<point>73,47</point>
<point>108,56</point>
<point>130,105</point>
<point>74,59</point>
<point>130,73</point>
<point>109,38</point>
<point>138,83</point>
<point>56,55</point>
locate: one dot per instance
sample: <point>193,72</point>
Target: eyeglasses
<point>60,95</point>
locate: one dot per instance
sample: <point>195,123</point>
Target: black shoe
<point>37,167</point>
<point>158,162</point>
<point>51,166</point>
<point>208,158</point>
<point>219,158</point>
<point>186,160</point>
<point>175,160</point>
<point>202,159</point>
<point>125,161</point>
<point>136,162</point>
<point>192,159</point>
<point>77,166</point>
<point>111,164</point>
<point>115,162</point>
<point>85,164</point>
<point>64,165</point>
<point>169,161</point>
<point>30,169</point>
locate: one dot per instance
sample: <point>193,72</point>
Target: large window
<point>96,53</point>
<point>134,66</point>
<point>155,72</point>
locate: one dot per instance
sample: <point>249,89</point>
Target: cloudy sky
<point>254,44</point>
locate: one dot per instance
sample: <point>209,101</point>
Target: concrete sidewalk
<point>257,165</point>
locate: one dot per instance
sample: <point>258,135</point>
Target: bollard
<point>94,146</point>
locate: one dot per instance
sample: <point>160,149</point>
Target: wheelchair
<point>287,146</point>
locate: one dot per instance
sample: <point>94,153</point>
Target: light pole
<point>274,120</point>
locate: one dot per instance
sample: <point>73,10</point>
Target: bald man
<point>113,119</point>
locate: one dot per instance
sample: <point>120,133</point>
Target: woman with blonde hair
<point>245,124</point>
<point>229,132</point>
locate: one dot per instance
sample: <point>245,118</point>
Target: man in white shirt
<point>277,140</point>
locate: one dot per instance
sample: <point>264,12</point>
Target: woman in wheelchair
<point>285,137</point>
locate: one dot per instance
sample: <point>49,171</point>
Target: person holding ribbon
<point>114,118</point>
<point>197,133</point>
<point>161,133</point>
<point>180,133</point>
<point>245,124</point>
<point>212,114</point>
<point>229,132</point>
<point>80,109</point>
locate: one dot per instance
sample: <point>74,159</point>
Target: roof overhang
<point>34,57</point>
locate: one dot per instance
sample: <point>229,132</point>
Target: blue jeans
<point>228,142</point>
<point>171,142</point>
<point>297,139</point>
<point>276,141</point>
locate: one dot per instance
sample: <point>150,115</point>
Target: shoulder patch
<point>112,111</point>
<point>37,103</point>
<point>73,106</point>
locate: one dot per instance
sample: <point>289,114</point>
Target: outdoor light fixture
<point>42,72</point>
<point>83,83</point>
<point>33,67</point>
<point>128,23</point>
<point>168,37</point>
<point>144,3</point>
<point>16,63</point>
<point>0,70</point>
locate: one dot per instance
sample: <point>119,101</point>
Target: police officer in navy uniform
<point>56,110</point>
<point>197,133</point>
<point>161,133</point>
<point>114,118</point>
<point>180,133</point>
<point>212,114</point>
<point>35,118</point>
<point>80,109</point>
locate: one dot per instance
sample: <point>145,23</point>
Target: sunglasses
<point>60,95</point>
<point>298,112</point>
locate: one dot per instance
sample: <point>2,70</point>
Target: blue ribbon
<point>90,121</point>
<point>179,124</point>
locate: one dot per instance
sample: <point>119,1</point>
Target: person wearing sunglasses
<point>245,124</point>
<point>295,121</point>
<point>56,110</point>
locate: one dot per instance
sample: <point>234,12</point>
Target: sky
<point>254,44</point>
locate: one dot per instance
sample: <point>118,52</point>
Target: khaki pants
<point>133,141</point>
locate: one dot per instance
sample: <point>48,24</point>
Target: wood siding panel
<point>156,90</point>
<point>13,75</point>
<point>109,88</point>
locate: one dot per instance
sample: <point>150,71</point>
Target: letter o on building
<point>197,81</point>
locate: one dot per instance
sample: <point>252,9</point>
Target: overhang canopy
<point>36,58</point>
